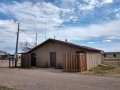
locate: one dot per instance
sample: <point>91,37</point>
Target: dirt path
<point>52,79</point>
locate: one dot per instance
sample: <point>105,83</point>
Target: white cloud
<point>93,42</point>
<point>7,34</point>
<point>28,13</point>
<point>116,10</point>
<point>3,8</point>
<point>81,33</point>
<point>108,1</point>
<point>112,48</point>
<point>73,33</point>
<point>70,33</point>
<point>67,3</point>
<point>91,4</point>
<point>118,15</point>
<point>112,37</point>
<point>33,17</point>
<point>107,41</point>
<point>86,7</point>
<point>83,5</point>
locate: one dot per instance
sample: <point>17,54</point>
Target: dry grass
<point>110,68</point>
<point>5,88</point>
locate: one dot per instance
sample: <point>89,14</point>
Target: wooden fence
<point>75,62</point>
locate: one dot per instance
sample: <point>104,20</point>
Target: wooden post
<point>66,62</point>
<point>79,62</point>
<point>74,63</point>
<point>16,52</point>
<point>9,62</point>
<point>71,62</point>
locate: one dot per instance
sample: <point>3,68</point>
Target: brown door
<point>52,59</point>
<point>33,59</point>
<point>83,65</point>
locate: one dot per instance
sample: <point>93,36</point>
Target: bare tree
<point>26,46</point>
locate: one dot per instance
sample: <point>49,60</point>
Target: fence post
<point>74,62</point>
<point>79,62</point>
<point>70,63</point>
<point>9,62</point>
<point>66,62</point>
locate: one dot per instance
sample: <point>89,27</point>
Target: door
<point>52,59</point>
<point>83,65</point>
<point>33,59</point>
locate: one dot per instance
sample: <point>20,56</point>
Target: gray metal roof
<point>68,43</point>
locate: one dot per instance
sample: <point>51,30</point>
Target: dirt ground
<point>54,79</point>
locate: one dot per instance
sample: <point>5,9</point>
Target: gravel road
<point>54,79</point>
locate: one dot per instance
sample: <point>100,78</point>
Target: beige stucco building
<point>51,53</point>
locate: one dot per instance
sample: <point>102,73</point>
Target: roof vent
<point>66,40</point>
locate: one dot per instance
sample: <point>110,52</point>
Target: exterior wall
<point>25,61</point>
<point>43,53</point>
<point>93,60</point>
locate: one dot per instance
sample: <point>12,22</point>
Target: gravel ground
<point>54,79</point>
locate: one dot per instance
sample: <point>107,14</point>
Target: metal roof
<point>68,43</point>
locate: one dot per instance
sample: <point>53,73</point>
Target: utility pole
<point>45,30</point>
<point>54,37</point>
<point>16,51</point>
<point>36,39</point>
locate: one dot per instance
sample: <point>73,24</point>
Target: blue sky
<point>93,23</point>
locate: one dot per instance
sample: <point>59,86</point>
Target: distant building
<point>2,56</point>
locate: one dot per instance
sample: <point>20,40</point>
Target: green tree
<point>5,52</point>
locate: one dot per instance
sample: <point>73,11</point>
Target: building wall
<point>93,60</point>
<point>43,55</point>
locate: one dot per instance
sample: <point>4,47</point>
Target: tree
<point>4,52</point>
<point>26,46</point>
<point>114,55</point>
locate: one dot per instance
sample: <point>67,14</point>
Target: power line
<point>9,32</point>
<point>34,38</point>
<point>27,34</point>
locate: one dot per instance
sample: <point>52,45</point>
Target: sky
<point>92,23</point>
